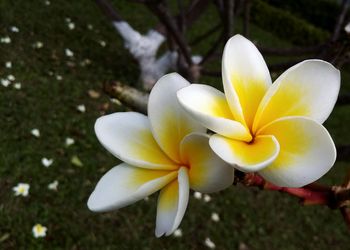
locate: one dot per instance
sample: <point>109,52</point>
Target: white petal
<point>169,122</point>
<point>172,204</point>
<point>125,184</point>
<point>247,157</point>
<point>245,76</point>
<point>309,89</point>
<point>128,136</point>
<point>207,172</point>
<point>307,152</point>
<point>209,106</point>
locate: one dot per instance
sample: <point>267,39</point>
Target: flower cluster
<point>273,129</point>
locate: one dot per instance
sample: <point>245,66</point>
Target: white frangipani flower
<point>53,185</point>
<point>71,26</point>
<point>215,217</point>
<point>46,162</point>
<point>38,45</point>
<point>273,129</point>
<point>17,85</point>
<point>167,151</point>
<point>81,108</point>
<point>11,78</point>
<point>21,189</point>
<point>14,29</point>
<point>35,132</point>
<point>68,53</point>
<point>39,230</point>
<point>5,39</point>
<point>69,141</point>
<point>207,198</point>
<point>8,65</point>
<point>5,82</point>
<point>177,233</point>
<point>197,195</point>
<point>209,243</point>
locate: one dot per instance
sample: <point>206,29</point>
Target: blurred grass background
<point>250,217</point>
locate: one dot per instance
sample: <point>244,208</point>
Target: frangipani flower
<point>273,129</point>
<point>168,152</point>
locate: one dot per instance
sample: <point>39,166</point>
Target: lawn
<point>54,84</point>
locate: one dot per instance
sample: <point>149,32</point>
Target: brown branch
<point>164,16</point>
<point>340,20</point>
<point>206,34</point>
<point>129,96</point>
<point>107,8</point>
<point>345,211</point>
<point>210,53</point>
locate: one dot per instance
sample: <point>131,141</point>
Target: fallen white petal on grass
<point>71,26</point>
<point>17,85</point>
<point>81,108</point>
<point>207,198</point>
<point>59,77</point>
<point>14,29</point>
<point>35,132</point>
<point>5,82</point>
<point>21,189</point>
<point>69,141</point>
<point>53,185</point>
<point>215,217</point>
<point>38,45</point>
<point>197,195</point>
<point>8,65</point>
<point>47,3</point>
<point>11,78</point>
<point>5,39</point>
<point>39,230</point>
<point>209,243</point>
<point>69,53</point>
<point>177,233</point>
<point>46,162</point>
<point>90,27</point>
<point>102,43</point>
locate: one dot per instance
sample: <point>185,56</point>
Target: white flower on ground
<point>14,29</point>
<point>35,132</point>
<point>5,82</point>
<point>17,85</point>
<point>215,217</point>
<point>46,162</point>
<point>5,39</point>
<point>71,26</point>
<point>167,152</point>
<point>90,26</point>
<point>207,198</point>
<point>81,108</point>
<point>69,53</point>
<point>273,129</point>
<point>39,230</point>
<point>38,45</point>
<point>69,141</point>
<point>59,77</point>
<point>11,78</point>
<point>102,43</point>
<point>209,243</point>
<point>8,65</point>
<point>47,3</point>
<point>197,195</point>
<point>177,233</point>
<point>21,189</point>
<point>53,185</point>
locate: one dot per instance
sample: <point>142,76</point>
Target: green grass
<point>260,219</point>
